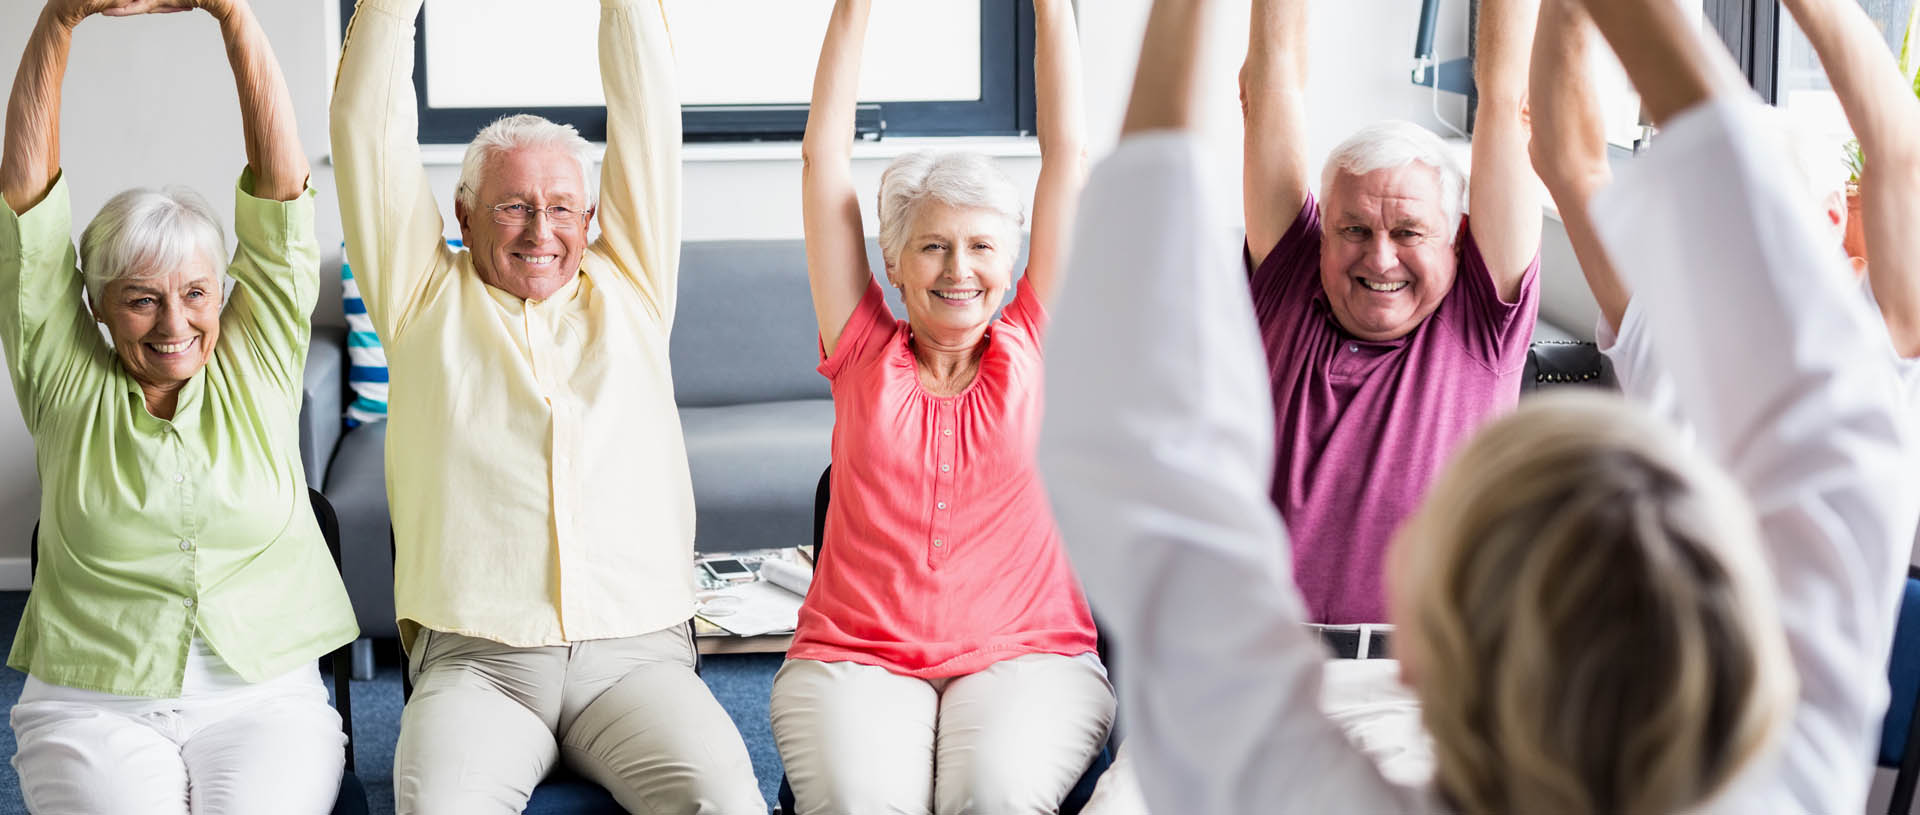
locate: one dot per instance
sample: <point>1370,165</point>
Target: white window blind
<point>515,54</point>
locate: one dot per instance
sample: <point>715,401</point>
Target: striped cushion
<point>366,360</point>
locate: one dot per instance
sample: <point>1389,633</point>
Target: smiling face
<point>163,327</point>
<point>955,269</point>
<point>533,260</point>
<point>1387,256</point>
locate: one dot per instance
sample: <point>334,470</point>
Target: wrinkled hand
<point>73,11</point>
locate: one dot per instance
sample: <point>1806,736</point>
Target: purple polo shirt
<point>1361,427</point>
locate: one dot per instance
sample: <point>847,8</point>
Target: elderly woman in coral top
<point>945,655</point>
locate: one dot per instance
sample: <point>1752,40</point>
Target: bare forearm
<point>1062,126</point>
<point>1166,85</point>
<point>1503,46</point>
<point>836,86</point>
<point>1273,102</point>
<point>274,152</point>
<point>1671,62</point>
<point>1502,193</point>
<point>1879,103</point>
<point>1061,115</point>
<point>32,153</point>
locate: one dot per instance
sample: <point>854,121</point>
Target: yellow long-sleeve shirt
<point>535,464</point>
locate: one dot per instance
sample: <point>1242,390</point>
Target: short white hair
<point>144,232</point>
<point>519,132</point>
<point>1393,144</point>
<point>957,179</point>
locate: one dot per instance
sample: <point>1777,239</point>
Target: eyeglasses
<point>521,215</point>
<point>1403,236</point>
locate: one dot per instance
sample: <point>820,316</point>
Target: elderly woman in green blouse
<point>184,590</point>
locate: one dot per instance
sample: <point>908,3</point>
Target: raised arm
<point>32,157</point>
<point>393,227</point>
<point>1158,477</point>
<point>836,242</point>
<point>1062,122</point>
<point>1502,194</point>
<point>640,177</point>
<point>1881,107</point>
<point>1273,101</point>
<point>274,153</point>
<point>1777,364</point>
<point>1569,144</point>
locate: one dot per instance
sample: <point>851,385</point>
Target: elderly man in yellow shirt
<point>542,507</point>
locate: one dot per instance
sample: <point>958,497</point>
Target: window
<point>1800,82</point>
<point>746,67</point>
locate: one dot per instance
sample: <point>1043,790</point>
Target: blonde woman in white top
<point>1585,608</point>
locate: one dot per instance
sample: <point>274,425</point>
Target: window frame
<point>1006,106</point>
<point>1751,31</point>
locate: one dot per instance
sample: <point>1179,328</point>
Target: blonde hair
<point>146,232</point>
<point>967,180</point>
<point>1590,618</point>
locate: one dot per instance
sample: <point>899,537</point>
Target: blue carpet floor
<point>740,682</point>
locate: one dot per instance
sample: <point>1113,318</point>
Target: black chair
<point>1900,732</point>
<point>1082,791</point>
<point>352,799</point>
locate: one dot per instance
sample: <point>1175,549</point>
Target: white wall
<point>150,101</point>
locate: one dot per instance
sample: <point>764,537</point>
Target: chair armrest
<point>321,400</point>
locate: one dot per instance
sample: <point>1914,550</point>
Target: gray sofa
<point>758,419</point>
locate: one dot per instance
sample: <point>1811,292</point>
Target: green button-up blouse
<point>153,531</point>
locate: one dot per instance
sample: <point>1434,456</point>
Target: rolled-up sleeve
<point>276,272</point>
<point>45,327</point>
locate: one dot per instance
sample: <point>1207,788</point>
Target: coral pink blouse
<point>941,556</point>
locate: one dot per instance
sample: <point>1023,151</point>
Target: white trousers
<point>1364,697</point>
<point>1011,738</point>
<point>487,722</point>
<point>274,747</point>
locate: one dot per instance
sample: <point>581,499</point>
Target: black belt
<point>1346,642</point>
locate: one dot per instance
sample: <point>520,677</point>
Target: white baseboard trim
<point>16,574</point>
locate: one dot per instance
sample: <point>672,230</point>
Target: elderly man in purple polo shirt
<point>1394,325</point>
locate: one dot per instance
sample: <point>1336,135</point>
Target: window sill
<point>449,155</point>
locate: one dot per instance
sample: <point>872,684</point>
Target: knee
<point>1000,786</point>
<point>99,764</point>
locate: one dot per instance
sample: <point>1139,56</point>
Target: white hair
<point>1393,144</point>
<point>520,132</point>
<point>968,180</point>
<point>145,232</point>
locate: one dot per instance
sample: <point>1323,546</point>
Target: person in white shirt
<point>1570,155</point>
<point>1584,604</point>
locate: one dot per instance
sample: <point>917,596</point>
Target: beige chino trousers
<point>487,721</point>
<point>1010,738</point>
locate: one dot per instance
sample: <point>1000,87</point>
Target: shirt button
<point>1353,348</point>
<point>179,478</point>
<point>941,505</point>
<point>188,602</point>
<point>186,545</point>
<point>945,467</point>
<point>936,542</point>
<point>946,431</point>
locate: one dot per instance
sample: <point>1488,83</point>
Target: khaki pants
<point>487,721</point>
<point>1364,697</point>
<point>1011,738</point>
